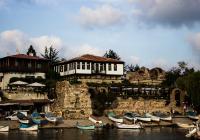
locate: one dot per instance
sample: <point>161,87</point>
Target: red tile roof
<point>93,58</point>
<point>24,56</point>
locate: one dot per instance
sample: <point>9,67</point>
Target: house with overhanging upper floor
<point>91,68</point>
<point>22,66</point>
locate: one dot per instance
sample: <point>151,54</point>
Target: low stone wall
<point>140,106</point>
<point>73,101</point>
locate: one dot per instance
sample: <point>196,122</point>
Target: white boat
<point>4,128</point>
<point>193,117</point>
<point>191,132</point>
<point>167,118</point>
<point>185,125</point>
<point>52,118</point>
<point>145,119</point>
<point>94,120</point>
<point>153,118</point>
<point>119,120</point>
<point>24,121</point>
<point>128,126</point>
<point>130,116</point>
<point>28,128</point>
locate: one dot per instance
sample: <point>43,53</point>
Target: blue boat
<point>27,127</point>
<point>85,127</point>
<point>37,119</point>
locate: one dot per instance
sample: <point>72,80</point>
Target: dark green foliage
<point>112,54</point>
<point>132,68</point>
<point>191,83</point>
<point>51,54</point>
<point>31,50</point>
<point>101,101</point>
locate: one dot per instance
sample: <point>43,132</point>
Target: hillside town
<point>88,86</point>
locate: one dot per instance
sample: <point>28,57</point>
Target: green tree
<point>51,54</point>
<point>190,83</point>
<point>31,50</point>
<point>112,54</point>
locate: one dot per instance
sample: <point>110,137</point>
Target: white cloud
<point>84,49</point>
<point>102,16</point>
<point>13,40</point>
<point>161,63</point>
<point>134,60</point>
<point>42,41</point>
<point>170,12</point>
<point>194,41</point>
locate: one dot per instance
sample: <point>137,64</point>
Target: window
<point>29,65</point>
<point>74,66</point>
<point>115,67</point>
<point>39,66</point>
<point>101,67</point>
<point>70,66</point>
<point>61,68</point>
<point>16,63</point>
<point>109,67</point>
<point>88,65</point>
<point>65,67</point>
<point>83,65</point>
<point>78,65</point>
<point>92,66</point>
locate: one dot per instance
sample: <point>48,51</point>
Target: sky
<point>151,33</point>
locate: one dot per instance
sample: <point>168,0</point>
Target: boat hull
<point>191,132</point>
<point>4,128</point>
<point>153,118</point>
<point>24,121</point>
<point>31,128</point>
<point>183,125</point>
<point>95,121</point>
<point>128,126</point>
<point>118,120</point>
<point>144,119</point>
<point>90,127</point>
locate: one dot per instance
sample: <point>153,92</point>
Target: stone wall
<point>140,105</point>
<point>73,101</point>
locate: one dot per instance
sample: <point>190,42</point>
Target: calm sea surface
<point>165,133</point>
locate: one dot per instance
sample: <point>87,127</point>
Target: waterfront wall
<point>139,105</point>
<point>73,101</point>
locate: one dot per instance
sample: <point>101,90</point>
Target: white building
<point>91,68</point>
<point>21,66</point>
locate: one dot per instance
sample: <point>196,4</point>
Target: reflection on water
<point>154,133</point>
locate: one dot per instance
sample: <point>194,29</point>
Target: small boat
<point>129,116</point>
<point>136,116</point>
<point>191,132</point>
<point>85,127</point>
<point>192,115</point>
<point>37,119</point>
<point>153,118</point>
<point>25,121</point>
<point>92,119</point>
<point>144,118</point>
<point>128,126</point>
<point>113,117</point>
<point>184,125</point>
<point>27,127</point>
<point>163,116</point>
<point>4,128</point>
<point>52,118</point>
